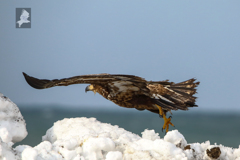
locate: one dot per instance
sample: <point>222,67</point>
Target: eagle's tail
<point>173,97</point>
<point>186,87</point>
<point>182,93</point>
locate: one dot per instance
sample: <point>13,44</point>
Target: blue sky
<point>157,40</point>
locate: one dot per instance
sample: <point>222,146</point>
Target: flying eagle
<point>132,91</point>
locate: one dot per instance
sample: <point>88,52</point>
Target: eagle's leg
<point>167,121</point>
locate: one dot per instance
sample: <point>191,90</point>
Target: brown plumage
<point>131,91</point>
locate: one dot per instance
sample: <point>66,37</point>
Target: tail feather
<point>187,84</point>
<point>181,100</point>
<point>188,91</point>
<point>187,87</point>
<point>190,81</point>
<point>182,93</point>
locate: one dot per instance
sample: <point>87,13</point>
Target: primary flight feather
<point>132,91</point>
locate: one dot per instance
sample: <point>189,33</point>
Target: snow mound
<point>89,139</point>
<point>12,124</point>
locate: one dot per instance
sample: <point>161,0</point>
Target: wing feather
<point>87,79</point>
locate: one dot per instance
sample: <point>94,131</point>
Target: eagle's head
<point>90,88</point>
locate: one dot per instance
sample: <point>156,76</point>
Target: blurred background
<point>156,40</point>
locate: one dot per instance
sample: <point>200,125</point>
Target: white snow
<point>6,152</point>
<point>12,124</point>
<point>88,139</point>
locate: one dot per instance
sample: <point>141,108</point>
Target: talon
<point>167,121</point>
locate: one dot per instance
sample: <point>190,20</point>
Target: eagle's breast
<point>102,90</point>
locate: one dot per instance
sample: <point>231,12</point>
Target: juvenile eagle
<point>132,91</point>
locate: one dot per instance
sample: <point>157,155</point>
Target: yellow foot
<point>167,121</point>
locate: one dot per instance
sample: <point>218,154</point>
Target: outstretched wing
<point>87,79</point>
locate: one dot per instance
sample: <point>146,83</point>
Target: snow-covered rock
<point>12,124</point>
<point>12,127</point>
